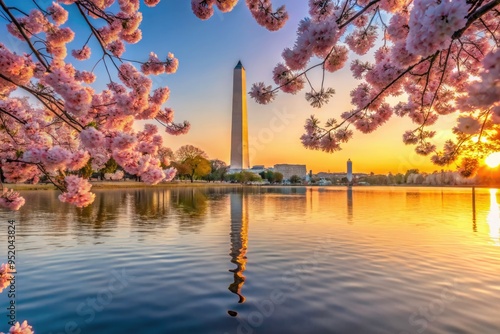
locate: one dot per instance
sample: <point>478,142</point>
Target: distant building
<point>257,169</point>
<point>349,170</point>
<point>289,170</point>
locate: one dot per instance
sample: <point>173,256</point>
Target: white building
<point>289,170</point>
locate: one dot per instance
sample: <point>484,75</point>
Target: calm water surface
<point>270,260</point>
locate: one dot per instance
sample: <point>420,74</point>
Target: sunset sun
<point>493,160</point>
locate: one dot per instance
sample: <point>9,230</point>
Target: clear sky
<point>201,91</point>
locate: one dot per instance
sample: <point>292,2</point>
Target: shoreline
<point>134,184</point>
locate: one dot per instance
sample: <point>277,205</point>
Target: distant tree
<point>218,170</point>
<point>249,177</point>
<point>230,178</point>
<point>295,179</point>
<point>243,177</point>
<point>271,176</point>
<point>109,167</point>
<point>278,177</point>
<point>189,151</point>
<point>196,167</point>
<point>399,178</point>
<point>86,171</point>
<point>408,172</point>
<point>182,169</point>
<point>192,162</point>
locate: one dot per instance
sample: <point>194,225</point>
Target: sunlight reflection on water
<point>493,218</point>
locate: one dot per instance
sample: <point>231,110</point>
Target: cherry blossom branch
<point>6,128</point>
<point>358,14</point>
<point>13,116</point>
<point>474,16</point>
<point>26,38</point>
<point>43,99</point>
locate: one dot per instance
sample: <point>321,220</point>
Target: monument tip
<point>239,65</point>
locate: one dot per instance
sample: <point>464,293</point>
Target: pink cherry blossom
<point>226,5</point>
<point>468,125</point>
<point>5,269</point>
<point>78,160</point>
<point>92,138</point>
<point>58,14</point>
<point>169,174</point>
<point>358,68</point>
<point>82,54</point>
<point>265,15</point>
<point>203,9</point>
<point>171,64</point>
<point>433,23</point>
<point>151,3</point>
<point>77,191</point>
<point>23,328</point>
<point>320,9</point>
<point>153,65</point>
<point>10,199</point>
<point>337,58</point>
<point>361,40</point>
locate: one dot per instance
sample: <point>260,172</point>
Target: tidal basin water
<point>259,260</point>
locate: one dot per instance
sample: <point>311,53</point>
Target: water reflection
<point>239,241</point>
<point>349,205</point>
<point>191,204</point>
<point>493,218</point>
<point>474,223</point>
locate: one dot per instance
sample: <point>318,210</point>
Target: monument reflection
<point>239,241</point>
<point>349,205</point>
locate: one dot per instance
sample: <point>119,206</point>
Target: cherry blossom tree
<point>53,123</point>
<point>440,57</point>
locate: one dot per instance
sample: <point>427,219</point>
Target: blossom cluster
<point>486,93</point>
<point>23,328</point>
<point>4,276</point>
<point>77,191</point>
<point>204,9</point>
<point>10,199</point>
<point>432,24</point>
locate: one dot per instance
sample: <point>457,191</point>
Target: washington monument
<point>239,130</point>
